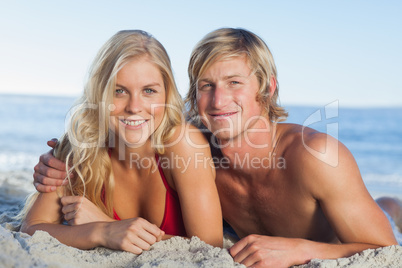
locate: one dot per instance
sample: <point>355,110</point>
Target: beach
<point>41,250</point>
<point>378,154</point>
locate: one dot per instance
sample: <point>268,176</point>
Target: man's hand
<point>49,172</point>
<point>79,210</point>
<point>265,251</point>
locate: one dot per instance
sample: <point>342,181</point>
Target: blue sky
<point>349,51</point>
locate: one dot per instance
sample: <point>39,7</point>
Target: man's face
<point>226,97</point>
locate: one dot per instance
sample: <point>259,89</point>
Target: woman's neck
<point>133,156</point>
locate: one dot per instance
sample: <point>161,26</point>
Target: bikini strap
<point>162,174</point>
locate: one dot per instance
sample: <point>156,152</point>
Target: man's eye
<point>234,82</point>
<point>206,86</point>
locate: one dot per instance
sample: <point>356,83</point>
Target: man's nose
<point>220,97</point>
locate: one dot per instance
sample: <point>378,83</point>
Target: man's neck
<point>256,142</point>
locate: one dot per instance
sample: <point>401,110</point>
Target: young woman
<point>141,174</point>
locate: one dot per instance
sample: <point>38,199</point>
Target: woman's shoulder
<point>186,137</point>
<point>187,133</point>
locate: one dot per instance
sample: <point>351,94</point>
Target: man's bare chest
<point>269,208</point>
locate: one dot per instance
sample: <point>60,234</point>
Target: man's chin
<point>224,136</point>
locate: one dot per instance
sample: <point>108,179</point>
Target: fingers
<point>133,235</point>
<point>43,188</point>
<point>240,245</point>
<point>66,200</point>
<point>135,245</point>
<point>45,184</point>
<point>45,176</point>
<point>154,230</point>
<point>69,209</point>
<point>50,172</point>
<point>52,143</point>
<point>132,248</point>
<point>47,180</point>
<point>71,204</point>
<point>252,259</point>
<point>49,160</point>
<point>147,237</point>
<point>159,238</point>
<point>143,240</point>
<point>70,218</point>
<point>245,251</point>
<point>145,234</point>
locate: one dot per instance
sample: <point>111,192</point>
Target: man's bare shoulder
<point>316,158</point>
<point>296,140</point>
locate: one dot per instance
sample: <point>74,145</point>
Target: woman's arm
<point>133,235</point>
<point>193,176</point>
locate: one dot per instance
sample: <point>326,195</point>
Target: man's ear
<point>272,86</point>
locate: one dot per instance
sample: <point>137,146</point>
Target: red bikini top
<point>172,223</point>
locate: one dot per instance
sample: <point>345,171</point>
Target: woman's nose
<point>134,105</point>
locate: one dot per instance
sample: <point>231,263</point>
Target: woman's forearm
<point>85,236</point>
<point>132,235</point>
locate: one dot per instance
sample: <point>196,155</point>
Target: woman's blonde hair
<point>229,42</point>
<point>85,145</point>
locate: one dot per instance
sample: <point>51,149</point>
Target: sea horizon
<point>373,135</point>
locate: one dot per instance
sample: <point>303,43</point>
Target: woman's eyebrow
<point>154,84</point>
<point>118,85</point>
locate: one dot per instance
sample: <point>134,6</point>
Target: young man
<point>290,193</point>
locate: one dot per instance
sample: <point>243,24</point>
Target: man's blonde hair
<point>230,42</point>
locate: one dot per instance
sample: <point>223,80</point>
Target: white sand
<point>41,250</point>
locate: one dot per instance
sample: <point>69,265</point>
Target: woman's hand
<point>79,210</point>
<point>132,235</point>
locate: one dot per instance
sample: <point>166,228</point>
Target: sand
<point>41,250</point>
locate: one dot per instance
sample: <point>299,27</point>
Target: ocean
<point>373,135</point>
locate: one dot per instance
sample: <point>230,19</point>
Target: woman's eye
<point>119,91</point>
<point>149,90</point>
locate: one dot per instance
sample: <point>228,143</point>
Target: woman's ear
<point>272,86</point>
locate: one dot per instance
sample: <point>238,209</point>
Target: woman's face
<point>139,101</point>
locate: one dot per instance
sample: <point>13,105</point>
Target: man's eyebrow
<point>224,78</point>
<point>204,80</point>
<point>234,75</point>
